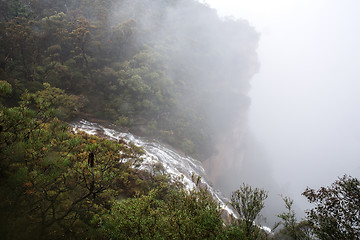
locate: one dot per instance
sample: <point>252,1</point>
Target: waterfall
<point>174,163</point>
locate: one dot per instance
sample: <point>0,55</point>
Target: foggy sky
<point>305,101</point>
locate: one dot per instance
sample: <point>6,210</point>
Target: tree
<point>288,218</point>
<point>5,88</point>
<point>337,209</point>
<point>292,228</point>
<point>248,203</point>
<point>65,106</point>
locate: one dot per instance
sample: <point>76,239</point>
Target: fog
<point>210,62</point>
<point>305,99</point>
<point>267,93</point>
<point>268,96</point>
<point>283,126</point>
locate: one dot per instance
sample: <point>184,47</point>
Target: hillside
<point>169,69</point>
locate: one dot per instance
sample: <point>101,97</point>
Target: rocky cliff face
<point>229,152</point>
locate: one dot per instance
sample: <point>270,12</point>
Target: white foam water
<point>176,164</point>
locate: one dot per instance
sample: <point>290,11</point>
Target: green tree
<point>288,218</point>
<point>65,106</point>
<point>292,229</point>
<point>337,209</point>
<point>248,203</point>
<point>5,88</point>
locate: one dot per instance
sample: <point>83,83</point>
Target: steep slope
<point>169,69</point>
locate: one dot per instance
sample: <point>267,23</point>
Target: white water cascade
<point>175,164</point>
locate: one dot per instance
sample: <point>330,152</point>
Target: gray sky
<point>305,107</point>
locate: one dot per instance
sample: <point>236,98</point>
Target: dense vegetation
<point>168,68</point>
<point>154,67</point>
<point>56,184</point>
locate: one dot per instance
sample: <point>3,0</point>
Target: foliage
<point>288,218</point>
<point>233,232</point>
<point>142,65</point>
<point>48,189</point>
<point>138,62</point>
<point>65,106</point>
<point>5,88</point>
<point>248,203</point>
<point>337,209</point>
<point>180,214</point>
<point>292,229</point>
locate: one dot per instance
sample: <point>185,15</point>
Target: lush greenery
<point>181,215</point>
<point>168,68</point>
<point>51,189</point>
<point>47,188</point>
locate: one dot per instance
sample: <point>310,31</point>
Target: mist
<point>305,99</point>
<point>262,92</point>
<point>216,61</point>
